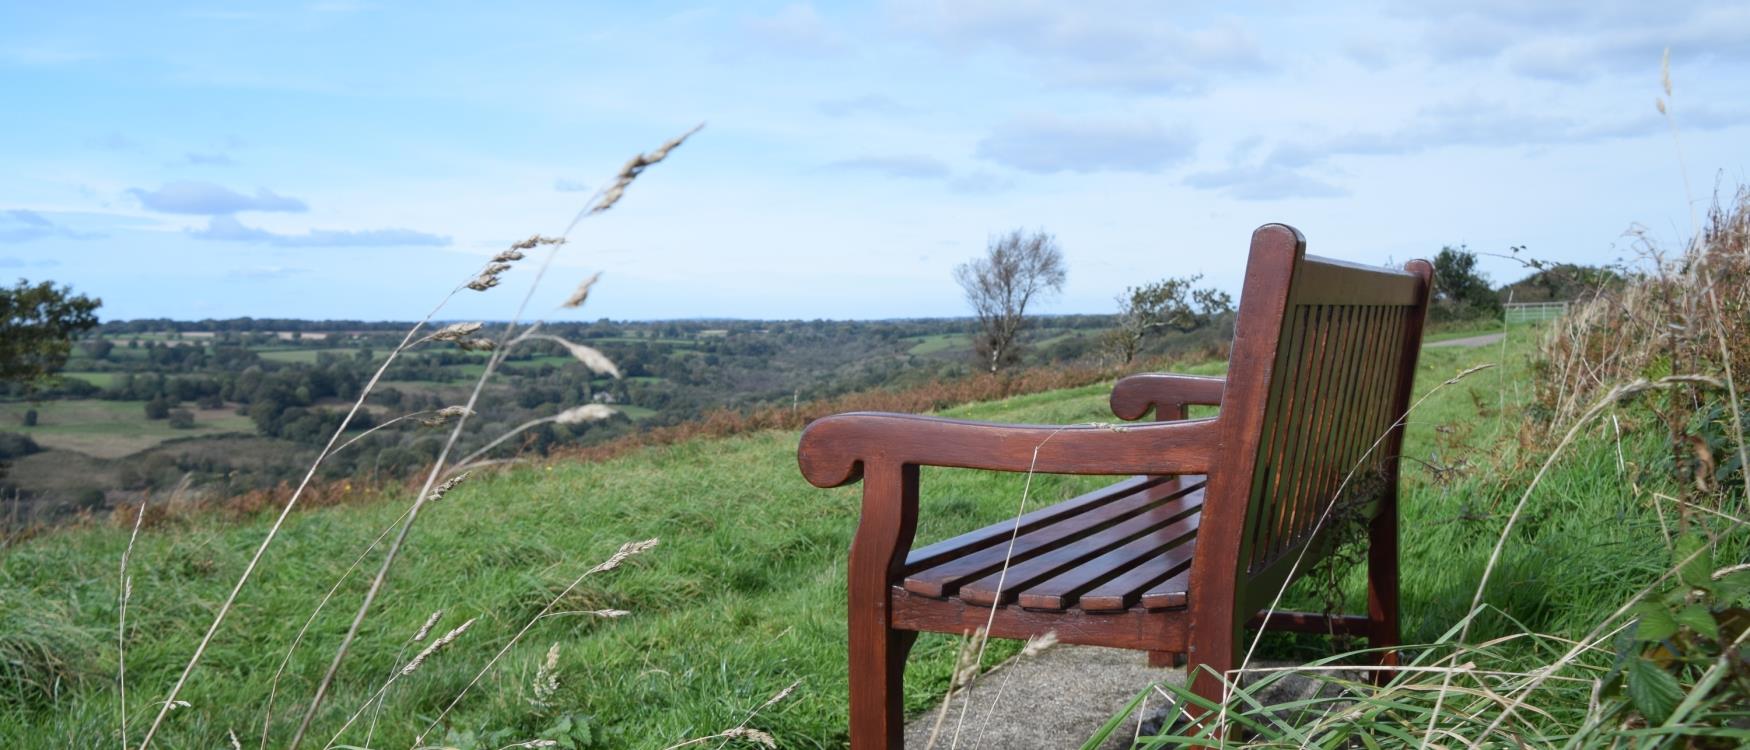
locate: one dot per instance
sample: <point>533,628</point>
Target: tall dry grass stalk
<point>463,336</point>
<point>488,277</point>
<point>121,636</point>
<point>626,552</point>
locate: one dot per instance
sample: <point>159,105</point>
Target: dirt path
<point>1468,342</point>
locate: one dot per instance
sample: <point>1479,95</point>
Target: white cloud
<point>911,166</point>
<point>19,225</point>
<point>1129,46</point>
<point>797,28</point>
<point>229,229</point>
<point>1048,144</point>
<point>207,199</point>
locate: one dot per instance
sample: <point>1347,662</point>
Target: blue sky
<point>356,160</point>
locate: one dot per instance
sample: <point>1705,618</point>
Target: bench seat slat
<point>948,549</point>
<point>1167,550</point>
<point>1163,574</point>
<point>946,578</point>
<point>1087,553</point>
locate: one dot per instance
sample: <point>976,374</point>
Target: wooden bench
<point>1182,558</point>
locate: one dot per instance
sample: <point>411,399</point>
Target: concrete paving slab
<point>1056,699</point>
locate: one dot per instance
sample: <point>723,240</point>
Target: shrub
<point>16,445</point>
<point>181,419</point>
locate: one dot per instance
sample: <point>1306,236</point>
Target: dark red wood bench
<point>1182,558</point>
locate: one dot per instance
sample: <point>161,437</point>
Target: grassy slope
<point>110,429</point>
<point>744,596</point>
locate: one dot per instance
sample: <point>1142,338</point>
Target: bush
<point>181,419</point>
<point>15,445</point>
<point>90,498</point>
<point>157,408</point>
<point>30,418</point>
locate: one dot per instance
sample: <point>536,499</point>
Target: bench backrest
<point>1324,357</point>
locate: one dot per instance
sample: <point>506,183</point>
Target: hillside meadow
<point>743,596</point>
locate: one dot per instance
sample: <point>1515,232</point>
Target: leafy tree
<point>1461,292</point>
<point>1168,303</point>
<point>181,419</point>
<point>37,326</point>
<point>1016,269</point>
<point>1551,282</point>
<point>157,408</point>
<point>29,417</point>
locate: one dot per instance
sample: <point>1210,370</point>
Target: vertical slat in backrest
<point>1320,372</point>
<point>1331,413</point>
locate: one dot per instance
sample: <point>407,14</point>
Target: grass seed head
<point>1036,645</point>
<point>590,357</point>
<point>635,167</point>
<point>446,415</point>
<point>751,735</point>
<point>531,243</point>
<point>585,413</point>
<point>441,642</point>
<point>546,683</point>
<point>456,331</point>
<point>626,550</point>
<point>438,492</point>
<point>426,628</point>
<point>576,299</point>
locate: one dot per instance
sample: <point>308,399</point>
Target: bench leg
<point>1213,653</point>
<point>878,685</point>
<point>877,651</point>
<point>1382,588</point>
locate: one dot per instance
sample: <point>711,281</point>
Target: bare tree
<point>1168,303</point>
<point>1017,268</point>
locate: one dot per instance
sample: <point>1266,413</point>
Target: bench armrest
<point>1165,392</point>
<point>835,449</point>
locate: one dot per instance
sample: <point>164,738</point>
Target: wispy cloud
<point>1264,182</point>
<point>979,183</point>
<point>214,159</point>
<point>229,229</point>
<point>1131,46</point>
<point>112,141</point>
<point>19,225</point>
<point>1488,124</point>
<point>799,29</point>
<point>1050,144</point>
<point>265,273</point>
<point>207,199</point>
<point>911,166</point>
<point>1579,40</point>
<point>868,104</point>
<point>569,186</point>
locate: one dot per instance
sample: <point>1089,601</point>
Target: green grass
<point>744,596</point>
<point>635,413</point>
<point>110,429</point>
<point>301,355</point>
<point>99,379</point>
<point>937,343</point>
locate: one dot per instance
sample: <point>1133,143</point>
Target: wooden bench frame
<point>1322,364</point>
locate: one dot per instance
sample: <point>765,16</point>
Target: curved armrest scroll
<point>1165,392</point>
<point>834,450</point>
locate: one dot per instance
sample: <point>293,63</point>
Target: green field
<point>744,596</point>
<point>938,343</point>
<point>99,379</point>
<point>111,429</point>
<point>635,413</point>
<point>301,355</point>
